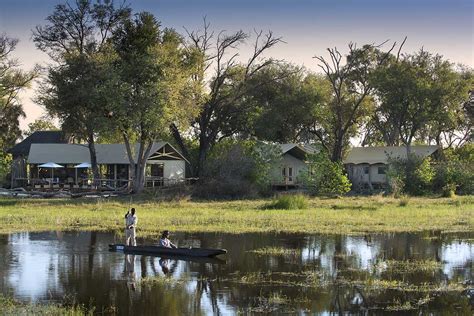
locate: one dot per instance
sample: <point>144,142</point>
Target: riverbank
<point>348,215</point>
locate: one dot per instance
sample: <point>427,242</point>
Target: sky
<point>307,27</point>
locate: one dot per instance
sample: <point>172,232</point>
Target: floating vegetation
<point>9,306</point>
<point>276,251</point>
<point>161,280</point>
<point>409,265</point>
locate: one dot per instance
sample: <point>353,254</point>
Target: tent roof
<point>297,150</point>
<point>374,155</point>
<point>79,153</point>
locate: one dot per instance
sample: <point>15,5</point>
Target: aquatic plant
<point>276,251</point>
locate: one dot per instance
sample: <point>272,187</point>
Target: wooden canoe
<point>184,252</point>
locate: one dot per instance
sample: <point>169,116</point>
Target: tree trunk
<point>336,155</point>
<point>140,169</point>
<point>132,166</point>
<point>93,157</point>
<point>203,150</point>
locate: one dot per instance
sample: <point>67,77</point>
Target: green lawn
<point>349,215</point>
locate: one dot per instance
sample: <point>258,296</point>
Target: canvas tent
<point>164,161</point>
<point>292,165</point>
<point>366,166</point>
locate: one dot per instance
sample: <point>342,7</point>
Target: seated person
<point>165,242</point>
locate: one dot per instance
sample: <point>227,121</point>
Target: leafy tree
<point>282,111</point>
<point>152,70</point>
<point>12,82</point>
<point>220,82</point>
<point>74,93</point>
<point>350,102</point>
<point>326,177</point>
<point>420,97</point>
<point>76,38</point>
<point>41,124</point>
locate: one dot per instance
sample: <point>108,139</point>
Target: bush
<point>403,202</point>
<point>449,190</point>
<point>5,166</point>
<point>455,172</point>
<point>235,170</point>
<point>412,176</point>
<point>289,202</point>
<point>325,177</point>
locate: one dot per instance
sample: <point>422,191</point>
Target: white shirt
<point>131,220</point>
<point>165,242</point>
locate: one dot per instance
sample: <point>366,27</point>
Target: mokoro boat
<point>185,252</point>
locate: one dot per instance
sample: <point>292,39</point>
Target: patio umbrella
<point>51,165</point>
<point>82,165</point>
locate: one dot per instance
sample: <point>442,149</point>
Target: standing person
<point>130,226</point>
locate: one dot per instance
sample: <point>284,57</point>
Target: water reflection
<point>325,274</point>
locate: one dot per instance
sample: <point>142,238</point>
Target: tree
<point>350,95</point>
<point>41,124</point>
<point>281,111</point>
<point>12,82</point>
<point>76,38</point>
<point>74,93</point>
<point>219,83</point>
<point>419,97</point>
<point>149,91</point>
<point>452,125</point>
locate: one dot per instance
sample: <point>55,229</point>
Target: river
<point>288,273</point>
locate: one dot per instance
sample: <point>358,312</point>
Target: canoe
<point>185,252</point>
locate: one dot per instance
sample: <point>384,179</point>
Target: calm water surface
<point>322,275</point>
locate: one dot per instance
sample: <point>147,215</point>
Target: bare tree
<point>351,88</point>
<point>221,82</point>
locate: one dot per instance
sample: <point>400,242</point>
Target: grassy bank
<point>349,215</point>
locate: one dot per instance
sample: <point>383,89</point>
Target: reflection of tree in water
<point>320,279</point>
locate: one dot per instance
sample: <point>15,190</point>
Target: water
<point>322,274</point>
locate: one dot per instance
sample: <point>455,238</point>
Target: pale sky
<point>307,27</point>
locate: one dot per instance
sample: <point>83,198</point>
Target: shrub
<point>403,202</point>
<point>456,171</point>
<point>237,169</point>
<point>5,165</point>
<point>413,176</point>
<point>289,202</point>
<point>449,190</point>
<point>328,177</point>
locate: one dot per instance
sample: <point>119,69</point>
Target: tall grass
<point>289,202</point>
<point>349,215</point>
